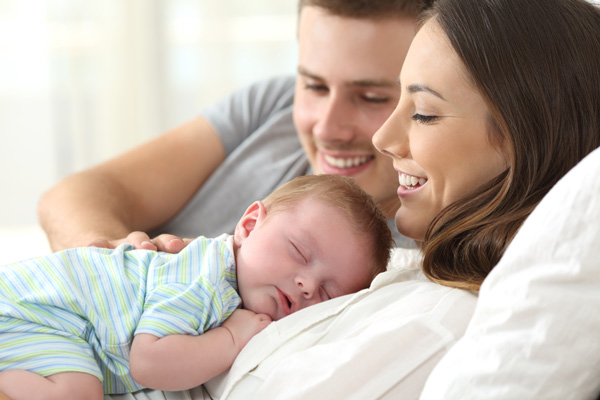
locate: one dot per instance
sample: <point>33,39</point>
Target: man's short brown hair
<point>369,9</point>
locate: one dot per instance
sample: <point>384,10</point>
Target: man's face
<point>345,90</point>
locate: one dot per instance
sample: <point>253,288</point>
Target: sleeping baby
<point>89,321</point>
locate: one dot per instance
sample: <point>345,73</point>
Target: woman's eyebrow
<point>415,88</point>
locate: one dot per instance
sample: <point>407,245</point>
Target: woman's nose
<point>391,138</point>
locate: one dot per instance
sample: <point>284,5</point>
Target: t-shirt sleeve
<point>238,115</point>
<point>185,309</point>
<point>189,292</point>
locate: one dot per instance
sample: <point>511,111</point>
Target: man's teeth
<point>411,182</point>
<point>347,162</point>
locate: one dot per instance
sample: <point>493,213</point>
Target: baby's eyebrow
<point>310,239</point>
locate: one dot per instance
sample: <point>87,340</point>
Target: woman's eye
<point>424,119</point>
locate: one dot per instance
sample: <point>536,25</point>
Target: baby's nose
<point>308,287</point>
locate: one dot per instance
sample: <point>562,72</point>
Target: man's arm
<point>136,191</point>
<point>180,362</point>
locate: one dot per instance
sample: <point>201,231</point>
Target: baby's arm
<point>179,362</point>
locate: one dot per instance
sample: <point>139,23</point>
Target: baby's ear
<point>249,221</point>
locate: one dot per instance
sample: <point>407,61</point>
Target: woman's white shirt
<point>379,343</point>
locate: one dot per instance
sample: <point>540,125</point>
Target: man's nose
<point>335,121</point>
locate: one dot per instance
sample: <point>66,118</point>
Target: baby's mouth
<point>410,181</point>
<point>285,301</point>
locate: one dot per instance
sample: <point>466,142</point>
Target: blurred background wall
<point>84,80</point>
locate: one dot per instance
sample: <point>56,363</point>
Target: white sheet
<point>21,242</point>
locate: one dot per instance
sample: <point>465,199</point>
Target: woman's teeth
<point>411,182</point>
<point>347,162</point>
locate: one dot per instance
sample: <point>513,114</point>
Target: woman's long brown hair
<point>537,65</point>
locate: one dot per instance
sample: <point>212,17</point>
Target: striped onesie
<point>78,309</point>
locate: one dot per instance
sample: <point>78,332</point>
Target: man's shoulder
<point>274,90</point>
<point>277,82</point>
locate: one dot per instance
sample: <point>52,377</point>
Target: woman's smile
<point>411,181</point>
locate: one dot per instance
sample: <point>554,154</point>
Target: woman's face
<point>438,135</point>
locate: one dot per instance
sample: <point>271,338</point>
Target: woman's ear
<point>253,217</point>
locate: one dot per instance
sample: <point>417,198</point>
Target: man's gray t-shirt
<point>262,151</point>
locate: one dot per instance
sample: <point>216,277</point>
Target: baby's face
<point>293,259</point>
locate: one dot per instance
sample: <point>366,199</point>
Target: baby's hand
<point>244,324</point>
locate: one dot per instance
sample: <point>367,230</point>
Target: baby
<point>89,321</point>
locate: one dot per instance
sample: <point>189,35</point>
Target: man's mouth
<point>347,162</point>
<point>410,181</point>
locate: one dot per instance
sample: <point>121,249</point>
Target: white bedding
<point>536,330</point>
<point>534,334</point>
<point>539,305</point>
<point>21,242</point>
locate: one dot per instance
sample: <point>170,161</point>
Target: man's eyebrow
<point>359,82</point>
<point>415,88</point>
<point>303,71</point>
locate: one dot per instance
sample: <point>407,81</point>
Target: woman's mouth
<point>410,182</point>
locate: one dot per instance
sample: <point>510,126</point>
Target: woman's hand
<point>141,240</point>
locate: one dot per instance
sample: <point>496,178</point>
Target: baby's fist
<point>244,324</point>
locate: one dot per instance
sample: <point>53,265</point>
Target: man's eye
<point>424,119</point>
<point>315,87</point>
<point>376,100</point>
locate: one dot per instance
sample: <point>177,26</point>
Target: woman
<point>499,99</point>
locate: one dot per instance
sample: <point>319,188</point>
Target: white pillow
<point>535,333</point>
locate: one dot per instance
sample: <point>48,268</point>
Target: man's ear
<point>253,217</point>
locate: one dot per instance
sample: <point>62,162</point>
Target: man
<point>199,177</point>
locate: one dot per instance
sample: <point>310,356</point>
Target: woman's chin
<point>406,229</point>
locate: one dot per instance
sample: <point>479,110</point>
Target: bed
<point>532,333</point>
